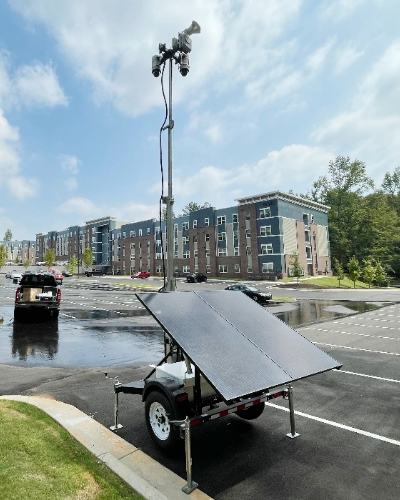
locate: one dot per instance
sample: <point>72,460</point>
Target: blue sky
<point>276,90</point>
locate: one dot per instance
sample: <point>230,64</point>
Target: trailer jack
<point>185,427</point>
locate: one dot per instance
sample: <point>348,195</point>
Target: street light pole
<point>181,46</point>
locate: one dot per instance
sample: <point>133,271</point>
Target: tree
<point>354,270</point>
<point>381,276</point>
<point>338,270</point>
<point>87,257</point>
<point>8,235</point>
<point>73,264</point>
<point>368,272</point>
<point>50,257</point>
<point>3,255</point>
<point>26,263</point>
<point>193,207</point>
<point>342,190</point>
<point>297,269</point>
<point>391,182</point>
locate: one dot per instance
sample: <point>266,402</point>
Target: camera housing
<point>184,65</point>
<point>156,65</point>
<point>184,43</point>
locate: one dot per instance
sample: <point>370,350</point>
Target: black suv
<point>37,292</point>
<point>196,278</point>
<point>252,292</point>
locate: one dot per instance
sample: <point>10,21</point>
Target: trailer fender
<point>173,390</point>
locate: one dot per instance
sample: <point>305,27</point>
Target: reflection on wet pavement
<point>99,337</point>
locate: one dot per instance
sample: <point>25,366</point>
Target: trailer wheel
<point>159,411</point>
<point>18,314</point>
<point>251,412</point>
<point>55,313</point>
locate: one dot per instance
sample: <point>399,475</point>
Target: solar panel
<point>240,347</point>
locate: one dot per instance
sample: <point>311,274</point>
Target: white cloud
<point>316,60</point>
<point>71,183</point>
<point>22,188</point>
<point>346,56</point>
<point>371,127</point>
<point>70,163</point>
<point>37,85</point>
<point>338,10</point>
<point>135,211</point>
<point>81,206</point>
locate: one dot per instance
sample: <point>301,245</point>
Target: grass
<point>40,460</point>
<point>327,282</point>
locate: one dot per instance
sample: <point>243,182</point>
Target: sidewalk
<point>142,473</point>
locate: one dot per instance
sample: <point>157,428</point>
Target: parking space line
<point>336,424</point>
<point>358,349</point>
<point>352,333</point>
<point>368,376</point>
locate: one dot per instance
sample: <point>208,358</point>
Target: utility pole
<point>178,53</point>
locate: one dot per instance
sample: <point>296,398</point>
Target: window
<point>132,234</point>
<point>249,269</point>
<point>186,254</point>
<point>234,217</point>
<point>195,224</point>
<point>237,268</point>
<point>148,230</point>
<point>186,269</point>
<point>207,252</point>
<point>265,230</point>
<point>194,239</point>
<point>248,233</point>
<point>247,216</point>
<point>185,225</point>
<point>221,220</point>
<point>175,255</point>
<point>222,252</point>
<point>159,269</point>
<point>266,249</point>
<point>236,251</point>
<point>267,267</point>
<point>132,256</point>
<point>185,239</point>
<point>158,242</point>
<point>208,269</point>
<point>222,268</point>
<point>158,255</point>
<point>207,237</point>
<point>265,212</point>
<point>221,236</point>
<point>206,221</point>
<point>248,250</point>
<point>132,246</point>
<point>124,234</point>
<point>157,229</point>
<point>148,243</point>
<point>235,235</point>
<point>196,253</point>
<point>140,232</point>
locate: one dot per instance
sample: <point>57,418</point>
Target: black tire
<point>18,314</point>
<point>158,413</point>
<point>55,313</point>
<point>255,298</point>
<point>252,412</point>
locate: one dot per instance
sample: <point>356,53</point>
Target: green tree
<point>8,235</point>
<point>73,264</point>
<point>3,255</point>
<point>381,276</point>
<point>391,182</point>
<point>342,191</point>
<point>87,257</point>
<point>26,263</point>
<point>368,272</point>
<point>50,257</point>
<point>193,207</point>
<point>354,270</point>
<point>297,268</point>
<point>338,270</point>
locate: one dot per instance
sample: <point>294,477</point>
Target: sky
<point>276,90</point>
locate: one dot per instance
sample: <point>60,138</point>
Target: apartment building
<point>254,239</point>
<point>20,251</point>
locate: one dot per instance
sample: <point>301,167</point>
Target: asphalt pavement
<point>348,420</point>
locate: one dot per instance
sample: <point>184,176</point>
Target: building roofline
<point>102,219</point>
<point>283,196</point>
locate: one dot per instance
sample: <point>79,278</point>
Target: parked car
<point>38,292</point>
<point>57,274</point>
<point>94,272</point>
<point>8,273</point>
<point>196,278</point>
<point>141,274</point>
<point>14,275</point>
<point>252,292</point>
<point>66,274</point>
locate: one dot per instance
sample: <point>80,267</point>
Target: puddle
<point>99,338</point>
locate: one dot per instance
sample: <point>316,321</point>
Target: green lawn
<point>39,460</point>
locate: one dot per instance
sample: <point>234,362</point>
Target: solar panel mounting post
<point>292,434</point>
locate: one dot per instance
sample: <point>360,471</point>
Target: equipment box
<point>29,294</point>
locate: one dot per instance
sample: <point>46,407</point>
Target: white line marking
<point>368,376</point>
<point>359,334</point>
<point>340,426</point>
<point>358,349</point>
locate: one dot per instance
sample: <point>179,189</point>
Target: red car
<point>57,274</point>
<point>141,274</point>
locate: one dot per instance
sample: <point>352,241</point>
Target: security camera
<point>156,65</point>
<point>184,65</point>
<point>184,43</point>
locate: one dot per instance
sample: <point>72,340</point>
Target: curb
<point>148,477</point>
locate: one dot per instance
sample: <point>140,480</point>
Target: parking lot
<point>348,420</point>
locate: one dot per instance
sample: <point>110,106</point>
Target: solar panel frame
<point>222,332</point>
